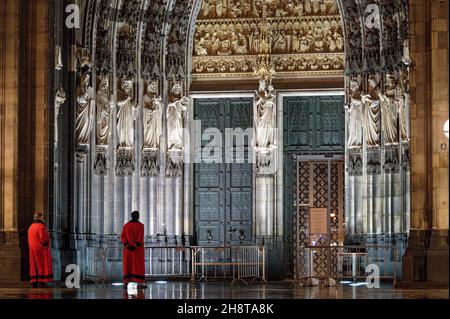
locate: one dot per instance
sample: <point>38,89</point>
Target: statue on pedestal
<point>175,117</point>
<point>355,118</point>
<point>152,116</point>
<point>85,110</point>
<point>372,115</point>
<point>104,108</point>
<point>389,111</point>
<point>126,114</point>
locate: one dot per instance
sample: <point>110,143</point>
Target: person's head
<point>38,216</point>
<point>135,215</point>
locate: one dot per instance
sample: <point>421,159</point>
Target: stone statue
<point>126,114</point>
<point>58,58</point>
<point>152,116</point>
<point>265,116</point>
<point>354,109</point>
<point>372,115</point>
<point>402,95</point>
<point>60,98</point>
<point>104,108</point>
<point>389,112</point>
<point>85,110</point>
<point>175,116</point>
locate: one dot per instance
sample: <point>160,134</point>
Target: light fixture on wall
<point>446,128</point>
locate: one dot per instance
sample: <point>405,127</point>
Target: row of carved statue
<point>375,112</point>
<point>232,9</point>
<point>95,110</point>
<point>228,39</point>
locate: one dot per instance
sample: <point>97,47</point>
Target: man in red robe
<point>41,270</point>
<point>133,253</point>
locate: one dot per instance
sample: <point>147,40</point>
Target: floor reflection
<point>223,290</point>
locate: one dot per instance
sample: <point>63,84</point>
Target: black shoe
<point>43,285</point>
<point>35,285</point>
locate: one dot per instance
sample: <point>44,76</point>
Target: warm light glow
<point>446,129</point>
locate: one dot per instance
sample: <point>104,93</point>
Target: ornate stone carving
<point>101,161</point>
<point>391,160</point>
<point>371,37</point>
<point>353,28</point>
<point>175,117</point>
<point>60,98</point>
<point>265,162</point>
<point>85,109</point>
<point>58,58</point>
<point>373,166</point>
<point>125,161</point>
<point>103,57</point>
<point>151,48</point>
<point>406,156</point>
<point>355,117</point>
<point>355,162</point>
<point>150,162</point>
<point>152,116</point>
<point>174,164</point>
<point>177,39</point>
<point>80,155</point>
<point>226,41</point>
<point>403,99</point>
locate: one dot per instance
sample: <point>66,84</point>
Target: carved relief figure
<point>152,116</point>
<point>126,114</point>
<point>402,95</point>
<point>85,110</point>
<point>372,115</point>
<point>175,116</point>
<point>58,58</point>
<point>265,116</point>
<point>104,108</point>
<point>389,111</point>
<point>355,125</point>
<point>60,98</point>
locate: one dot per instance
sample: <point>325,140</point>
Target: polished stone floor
<point>211,290</point>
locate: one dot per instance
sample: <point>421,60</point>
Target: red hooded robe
<point>133,253</point>
<point>41,269</point>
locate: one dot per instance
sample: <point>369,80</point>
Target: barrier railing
<point>345,262</point>
<point>104,264</point>
<point>240,263</point>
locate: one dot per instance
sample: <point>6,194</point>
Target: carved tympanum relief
<point>306,37</point>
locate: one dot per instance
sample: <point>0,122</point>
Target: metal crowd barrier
<point>104,264</point>
<point>240,263</point>
<point>345,262</point>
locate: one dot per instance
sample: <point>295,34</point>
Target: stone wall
<point>426,259</point>
<point>23,127</point>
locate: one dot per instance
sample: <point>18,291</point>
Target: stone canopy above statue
<point>305,38</point>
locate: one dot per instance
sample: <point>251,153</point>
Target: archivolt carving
<point>177,39</point>
<point>151,44</point>
<point>127,36</point>
<point>298,31</point>
<point>103,56</point>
